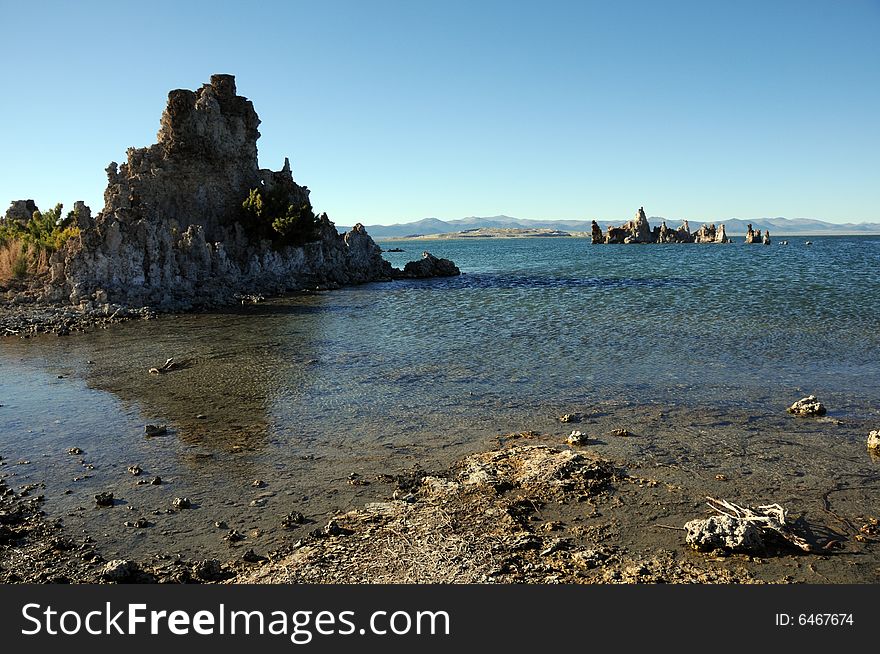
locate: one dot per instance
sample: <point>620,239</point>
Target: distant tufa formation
<point>638,230</point>
<point>171,233</point>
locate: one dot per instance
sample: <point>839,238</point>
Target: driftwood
<point>168,366</point>
<point>769,517</point>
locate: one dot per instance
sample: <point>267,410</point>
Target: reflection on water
<point>300,392</point>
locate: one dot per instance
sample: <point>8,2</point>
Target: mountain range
<point>777,226</point>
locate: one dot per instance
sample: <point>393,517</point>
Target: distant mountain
<point>780,226</point>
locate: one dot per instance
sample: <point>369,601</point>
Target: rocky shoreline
<point>431,529</point>
<point>530,510</point>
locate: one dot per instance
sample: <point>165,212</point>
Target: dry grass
<point>19,260</point>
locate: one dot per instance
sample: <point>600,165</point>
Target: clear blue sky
<point>395,111</point>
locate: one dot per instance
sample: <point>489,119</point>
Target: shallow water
<point>697,349</point>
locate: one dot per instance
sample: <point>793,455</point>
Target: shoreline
<point>557,513</point>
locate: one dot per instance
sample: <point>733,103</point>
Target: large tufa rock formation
<point>639,230</point>
<point>171,233</point>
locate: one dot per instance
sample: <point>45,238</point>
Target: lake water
<point>698,349</point>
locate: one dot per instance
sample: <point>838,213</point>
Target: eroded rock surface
<point>171,234</point>
<point>723,532</point>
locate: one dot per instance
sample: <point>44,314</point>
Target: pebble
<point>252,557</point>
<point>140,523</point>
<point>292,519</point>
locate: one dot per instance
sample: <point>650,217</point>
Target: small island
<point>638,230</point>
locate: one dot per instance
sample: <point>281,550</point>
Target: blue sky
<point>395,111</point>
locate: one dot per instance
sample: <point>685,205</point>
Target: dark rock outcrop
<point>172,233</point>
<point>428,266</point>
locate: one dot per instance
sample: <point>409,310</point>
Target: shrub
<point>25,249</point>
<point>267,215</point>
<point>46,231</point>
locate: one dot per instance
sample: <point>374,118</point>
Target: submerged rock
<point>808,406</point>
<point>874,441</point>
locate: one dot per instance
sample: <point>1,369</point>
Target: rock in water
<point>808,406</point>
<point>638,230</point>
<point>429,266</point>
<point>874,441</point>
<point>596,233</point>
<point>174,234</point>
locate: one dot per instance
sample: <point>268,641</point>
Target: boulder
<point>429,266</point>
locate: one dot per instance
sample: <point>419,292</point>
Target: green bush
<point>46,231</point>
<point>267,215</point>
